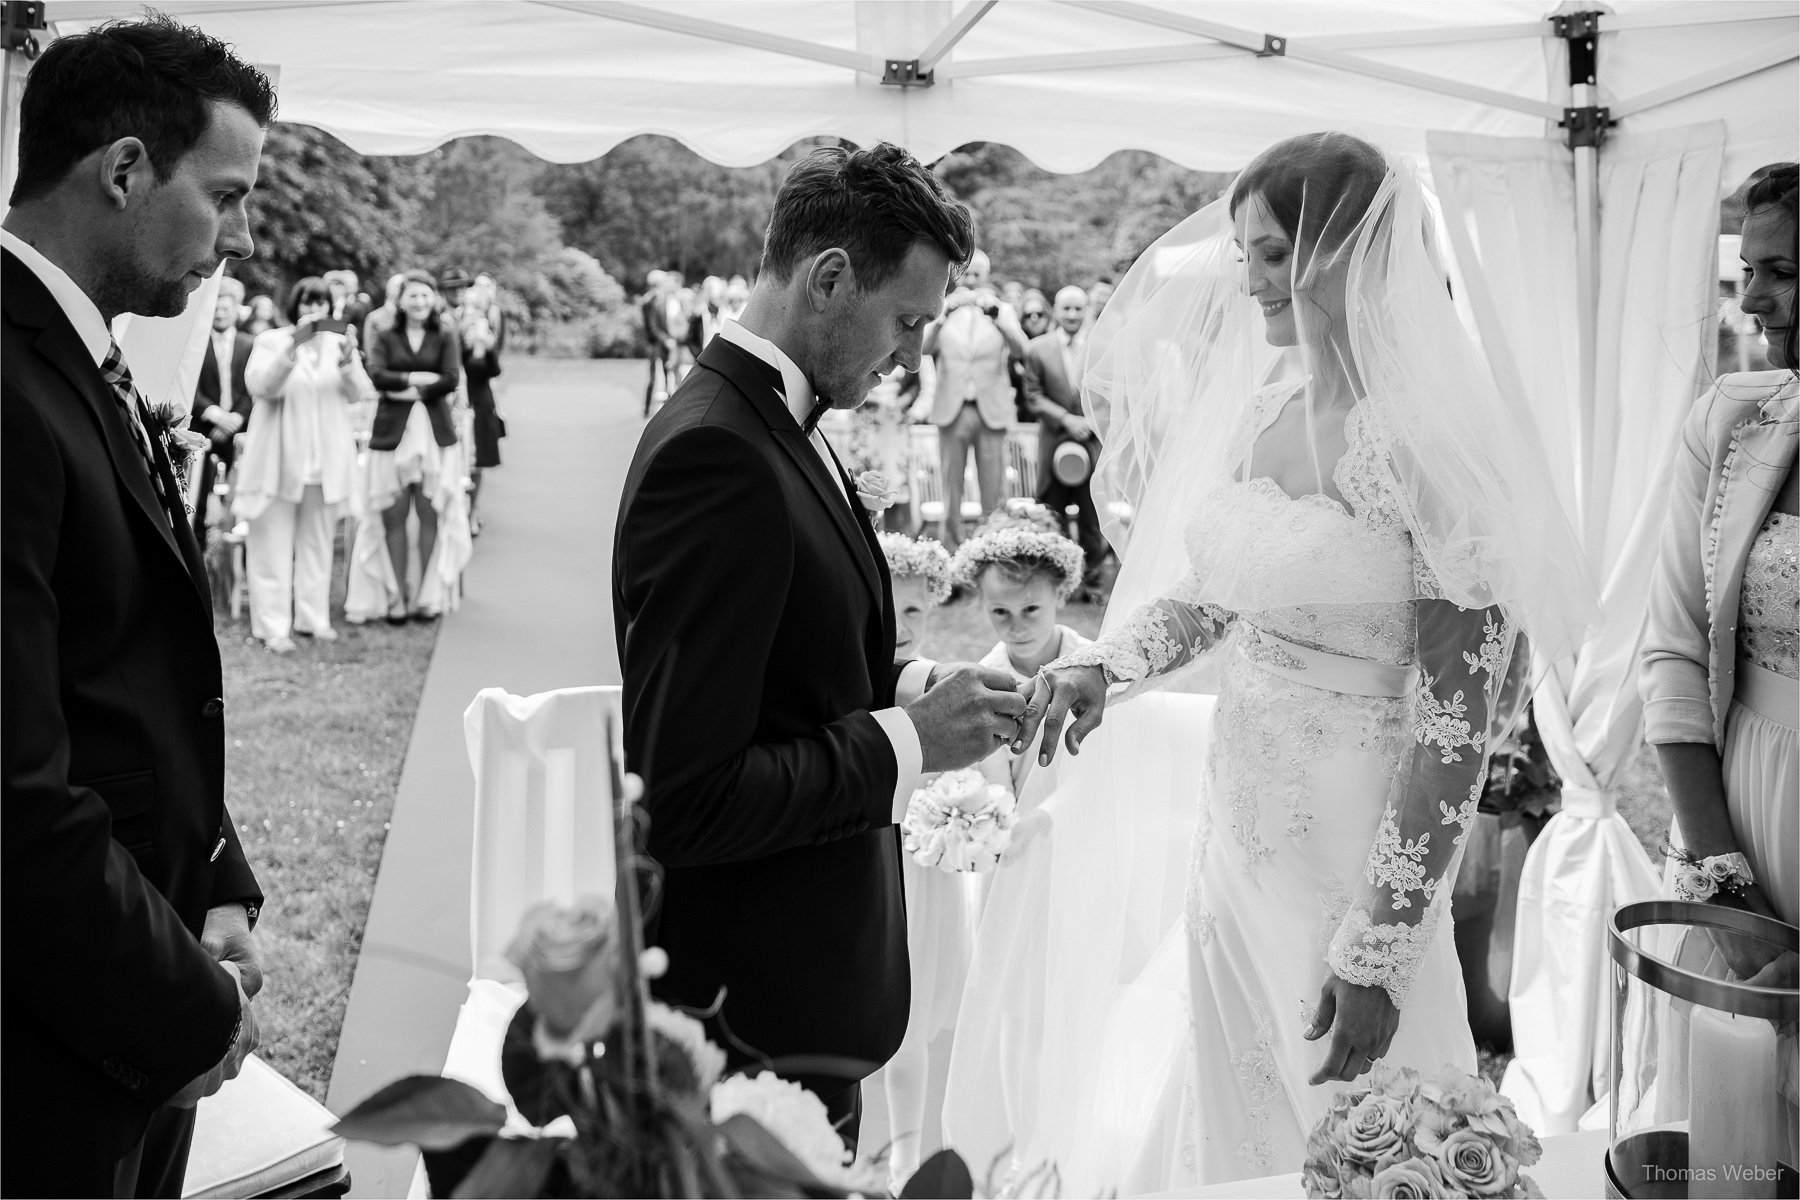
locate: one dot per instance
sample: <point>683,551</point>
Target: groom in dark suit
<point>779,738</point>
<point>128,968</point>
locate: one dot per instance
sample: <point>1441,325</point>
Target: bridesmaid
<point>1721,658</point>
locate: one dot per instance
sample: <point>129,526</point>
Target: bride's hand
<point>1362,1022</point>
<point>1072,691</point>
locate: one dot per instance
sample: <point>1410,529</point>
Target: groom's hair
<point>872,204</point>
<point>151,79</point>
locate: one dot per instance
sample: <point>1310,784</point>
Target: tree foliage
<point>319,206</point>
<point>566,241</point>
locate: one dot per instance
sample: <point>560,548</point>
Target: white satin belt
<point>1322,669</point>
<point>1767,694</point>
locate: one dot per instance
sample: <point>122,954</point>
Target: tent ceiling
<point>1066,83</point>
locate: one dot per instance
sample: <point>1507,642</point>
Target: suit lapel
<point>755,379</point>
<point>62,348</point>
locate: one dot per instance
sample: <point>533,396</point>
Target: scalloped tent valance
<point>1205,84</point>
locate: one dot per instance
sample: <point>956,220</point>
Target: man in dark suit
<point>222,402</point>
<point>128,968</point>
<point>657,339</point>
<point>1053,393</point>
<point>779,739</point>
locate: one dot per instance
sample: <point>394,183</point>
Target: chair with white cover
<point>543,831</point>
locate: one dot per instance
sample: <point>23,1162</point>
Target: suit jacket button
<point>213,707</point>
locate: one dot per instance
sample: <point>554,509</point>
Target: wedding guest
<point>222,403</point>
<point>737,295</point>
<point>1721,657</point>
<point>972,342</point>
<point>940,905</point>
<point>475,315</point>
<point>1021,568</point>
<point>128,963</point>
<point>298,461</point>
<point>347,304</point>
<point>654,308</point>
<point>1053,392</point>
<point>261,316</point>
<point>489,291</point>
<point>1097,295</point>
<point>1034,319</point>
<point>416,365</point>
<point>1012,292</point>
<point>881,440</point>
<point>381,319</point>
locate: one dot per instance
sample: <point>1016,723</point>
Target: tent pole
<point>1587,310</point>
<point>1586,123</point>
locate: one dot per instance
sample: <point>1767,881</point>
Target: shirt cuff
<point>911,684</point>
<point>909,756</point>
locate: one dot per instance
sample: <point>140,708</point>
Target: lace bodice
<point>1769,606</point>
<point>1251,538</point>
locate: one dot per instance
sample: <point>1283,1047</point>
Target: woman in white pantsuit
<point>297,464</point>
<point>1721,660</point>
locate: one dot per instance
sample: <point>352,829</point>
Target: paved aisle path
<point>536,614</point>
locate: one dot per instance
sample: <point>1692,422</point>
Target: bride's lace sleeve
<point>1156,638</point>
<point>1463,655</point>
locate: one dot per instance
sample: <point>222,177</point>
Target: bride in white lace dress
<point>1355,548</point>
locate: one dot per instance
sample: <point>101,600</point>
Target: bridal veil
<point>1182,385</point>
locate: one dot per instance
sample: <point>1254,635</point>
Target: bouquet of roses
<point>959,822</point>
<point>1406,1136</point>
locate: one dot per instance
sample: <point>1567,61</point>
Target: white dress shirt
<point>797,391</point>
<point>90,326</point>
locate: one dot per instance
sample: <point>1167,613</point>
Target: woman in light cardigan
<point>297,465</point>
<point>1720,680</point>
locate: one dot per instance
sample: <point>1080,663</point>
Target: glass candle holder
<point>1704,1065</point>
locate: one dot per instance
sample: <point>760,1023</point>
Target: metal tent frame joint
<point>19,22</point>
<point>1587,125</point>
<point>1274,46</point>
<point>905,73</point>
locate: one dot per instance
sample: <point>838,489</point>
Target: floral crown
<point>1016,534</point>
<point>922,559</point>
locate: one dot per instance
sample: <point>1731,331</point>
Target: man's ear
<point>829,275</point>
<point>125,168</point>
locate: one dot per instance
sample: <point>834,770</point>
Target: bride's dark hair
<point>1316,185</point>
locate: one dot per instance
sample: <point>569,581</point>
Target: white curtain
<point>1509,204</point>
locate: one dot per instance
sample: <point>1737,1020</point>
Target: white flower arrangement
<point>959,822</point>
<point>1405,1136</point>
<point>1016,534</point>
<point>707,1059</point>
<point>1700,879</point>
<point>922,558</point>
<point>798,1120</point>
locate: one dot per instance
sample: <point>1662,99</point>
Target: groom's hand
<point>1079,692</point>
<point>968,713</point>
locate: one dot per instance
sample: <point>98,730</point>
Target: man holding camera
<point>972,342</point>
<point>1067,442</point>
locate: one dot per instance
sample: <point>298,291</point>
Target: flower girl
<point>939,904</point>
<point>1022,568</point>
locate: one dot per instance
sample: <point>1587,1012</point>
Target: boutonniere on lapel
<point>179,442</point>
<point>872,489</point>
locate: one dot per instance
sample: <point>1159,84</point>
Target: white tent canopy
<point>1205,84</point>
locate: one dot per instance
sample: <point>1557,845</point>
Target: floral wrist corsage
<point>1703,878</point>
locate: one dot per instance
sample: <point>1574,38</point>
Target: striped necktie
<point>137,417</point>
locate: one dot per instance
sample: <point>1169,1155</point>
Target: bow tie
<point>819,409</point>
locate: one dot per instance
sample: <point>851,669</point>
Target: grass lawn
<point>314,746</point>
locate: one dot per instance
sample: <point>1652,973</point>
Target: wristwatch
<point>251,910</point>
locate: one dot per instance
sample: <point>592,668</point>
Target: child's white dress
<point>989,1099</point>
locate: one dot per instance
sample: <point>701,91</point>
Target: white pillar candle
<point>1734,1109</point>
